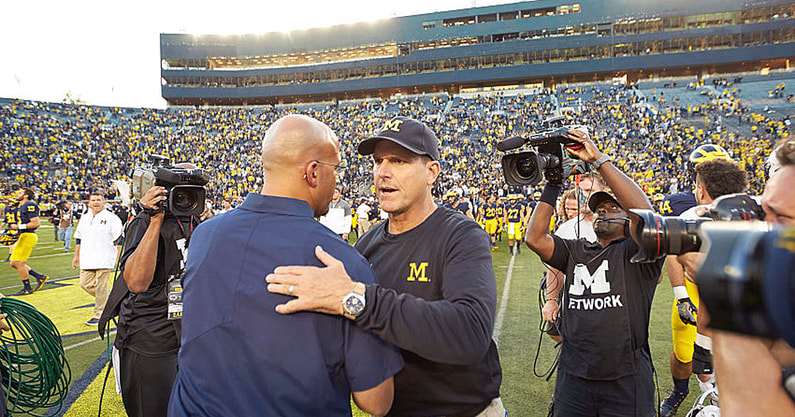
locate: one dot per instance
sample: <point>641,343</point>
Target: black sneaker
<point>41,282</point>
<point>24,291</point>
<point>670,405</point>
<point>92,322</point>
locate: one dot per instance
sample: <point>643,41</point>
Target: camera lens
<point>526,167</point>
<point>521,168</point>
<point>184,200</point>
<point>659,236</point>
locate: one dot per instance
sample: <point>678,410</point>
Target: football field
<point>516,331</point>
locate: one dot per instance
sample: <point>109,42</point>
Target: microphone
<point>621,220</point>
<point>544,138</point>
<point>510,143</point>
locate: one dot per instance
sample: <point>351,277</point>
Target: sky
<point>108,52</point>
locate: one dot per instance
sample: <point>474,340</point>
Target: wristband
<point>680,292</point>
<point>551,193</point>
<point>555,299</point>
<point>22,226</point>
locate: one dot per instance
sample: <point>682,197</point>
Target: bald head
<point>295,139</point>
<point>298,156</point>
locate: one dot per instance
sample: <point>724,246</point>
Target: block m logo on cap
<point>393,125</point>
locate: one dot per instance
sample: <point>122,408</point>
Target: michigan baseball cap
<point>408,133</point>
<point>600,197</point>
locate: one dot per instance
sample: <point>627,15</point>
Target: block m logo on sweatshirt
<point>596,282</point>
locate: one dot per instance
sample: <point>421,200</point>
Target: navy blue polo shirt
<point>241,358</point>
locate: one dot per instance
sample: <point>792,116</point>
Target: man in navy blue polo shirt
<point>238,356</point>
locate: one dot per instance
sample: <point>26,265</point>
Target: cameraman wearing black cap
<point>437,294</point>
<point>605,363</point>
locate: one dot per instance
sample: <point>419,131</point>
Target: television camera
<point>185,193</point>
<point>548,159</point>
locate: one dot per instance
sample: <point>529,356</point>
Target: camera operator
<point>692,348</point>
<point>605,362</point>
<point>147,340</point>
<point>749,369</point>
<point>580,226</point>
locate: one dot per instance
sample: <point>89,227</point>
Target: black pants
<point>146,383</point>
<point>630,396</point>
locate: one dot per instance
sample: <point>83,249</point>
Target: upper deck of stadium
<point>517,45</point>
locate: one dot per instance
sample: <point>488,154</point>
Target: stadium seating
<point>64,150</point>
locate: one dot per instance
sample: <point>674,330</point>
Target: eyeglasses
<point>339,169</point>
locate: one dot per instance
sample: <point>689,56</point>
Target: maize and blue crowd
<point>62,151</point>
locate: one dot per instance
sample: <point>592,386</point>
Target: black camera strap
<point>182,228</point>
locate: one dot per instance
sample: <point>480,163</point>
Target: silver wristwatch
<point>353,303</point>
<point>598,163</point>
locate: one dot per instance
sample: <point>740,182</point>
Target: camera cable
<point>544,328</point>
<point>36,374</point>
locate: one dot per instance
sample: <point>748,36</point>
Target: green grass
<point>68,306</point>
<point>523,393</point>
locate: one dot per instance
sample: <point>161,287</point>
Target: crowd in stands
<point>64,150</point>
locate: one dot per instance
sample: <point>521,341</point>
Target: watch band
<point>360,288</point>
<point>599,162</point>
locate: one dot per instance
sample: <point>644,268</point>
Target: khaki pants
<point>95,282</point>
<point>364,226</point>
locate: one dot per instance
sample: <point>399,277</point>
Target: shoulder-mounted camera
<point>185,193</point>
<point>548,159</point>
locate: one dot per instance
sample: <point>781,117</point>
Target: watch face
<point>353,304</point>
